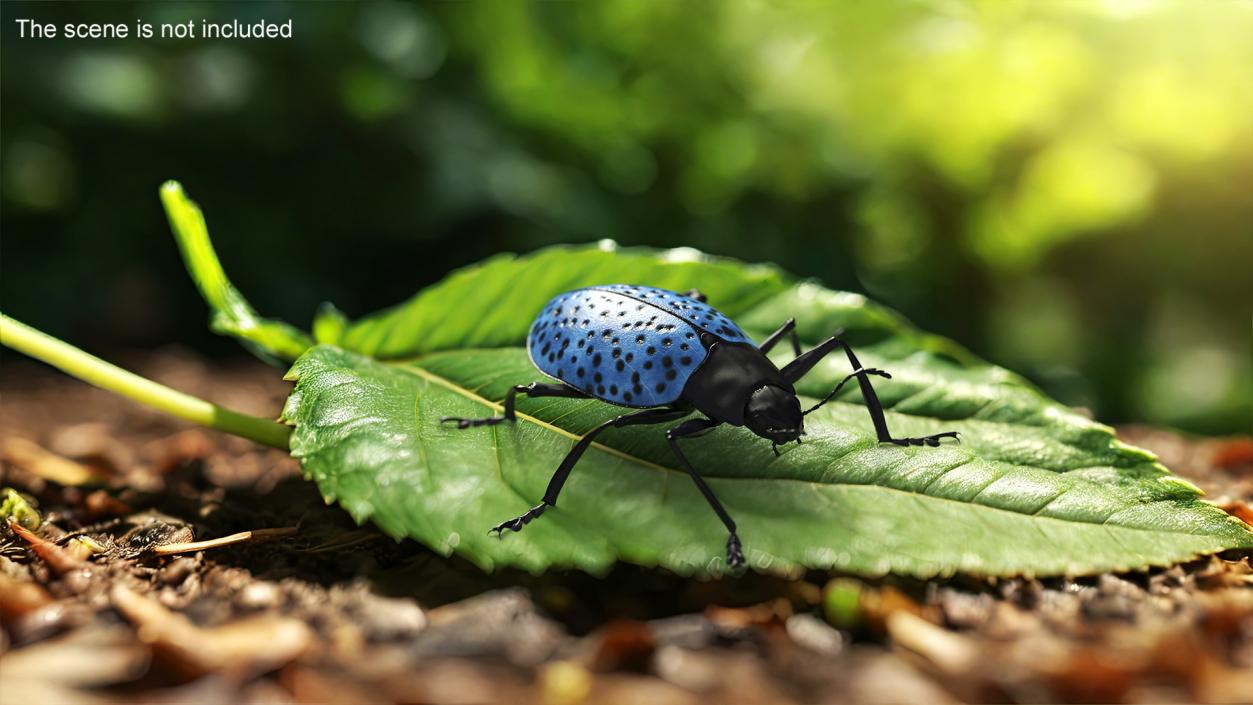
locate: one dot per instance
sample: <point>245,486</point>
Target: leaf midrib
<point>411,366</point>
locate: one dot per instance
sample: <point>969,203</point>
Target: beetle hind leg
<point>516,523</point>
<point>534,389</point>
<point>933,440</point>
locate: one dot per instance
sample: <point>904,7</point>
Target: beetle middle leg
<point>692,429</point>
<point>803,364</point>
<point>647,416</point>
<point>534,389</point>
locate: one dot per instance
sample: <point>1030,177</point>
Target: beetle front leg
<point>534,389</point>
<point>806,362</point>
<point>875,407</point>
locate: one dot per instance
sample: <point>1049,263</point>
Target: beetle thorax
<point>774,413</point>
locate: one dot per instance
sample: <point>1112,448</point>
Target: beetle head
<point>774,414</point>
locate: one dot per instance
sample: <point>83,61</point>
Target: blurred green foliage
<point>1064,186</point>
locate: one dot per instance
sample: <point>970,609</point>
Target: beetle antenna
<point>838,387</point>
<point>828,397</point>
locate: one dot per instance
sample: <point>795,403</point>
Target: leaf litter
<point>335,613</point>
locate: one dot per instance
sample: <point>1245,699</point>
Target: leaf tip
<point>1180,483</point>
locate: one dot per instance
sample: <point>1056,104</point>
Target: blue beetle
<point>671,355</point>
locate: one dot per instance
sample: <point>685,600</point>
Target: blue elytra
<point>628,345</point>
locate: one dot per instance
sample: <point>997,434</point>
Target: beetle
<point>670,355</point>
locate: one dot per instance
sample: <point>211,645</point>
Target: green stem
<point>93,370</point>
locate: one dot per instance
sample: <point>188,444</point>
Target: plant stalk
<point>93,370</point>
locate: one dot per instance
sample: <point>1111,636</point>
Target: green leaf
<point>231,313</point>
<point>1034,488</point>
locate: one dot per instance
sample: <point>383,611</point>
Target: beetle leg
<point>876,410</point>
<point>695,294</point>
<point>788,329</point>
<point>647,416</point>
<point>805,362</point>
<point>534,389</point>
<point>798,367</point>
<point>692,429</point>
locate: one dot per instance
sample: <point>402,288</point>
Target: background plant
<point>1062,186</point>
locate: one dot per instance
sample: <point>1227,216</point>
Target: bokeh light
<point>1062,186</point>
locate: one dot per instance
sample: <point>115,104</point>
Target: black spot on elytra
<point>661,387</point>
<point>626,396</point>
<point>598,377</point>
<point>580,372</point>
<point>667,362</point>
<point>648,364</point>
<point>613,389</point>
<point>630,357</point>
<point>671,374</point>
<point>596,360</point>
<point>685,361</point>
<point>620,365</point>
<point>600,389</point>
<point>651,350</point>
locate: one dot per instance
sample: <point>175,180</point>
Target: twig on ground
<point>243,536</point>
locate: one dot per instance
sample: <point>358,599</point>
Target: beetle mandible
<point>671,355</point>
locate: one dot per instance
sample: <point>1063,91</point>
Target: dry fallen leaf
<point>240,649</point>
<point>91,656</point>
<point>1234,454</point>
<point>952,653</point>
<point>33,458</point>
<point>59,560</point>
<point>1239,509</point>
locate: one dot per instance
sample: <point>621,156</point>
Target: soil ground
<point>104,603</point>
